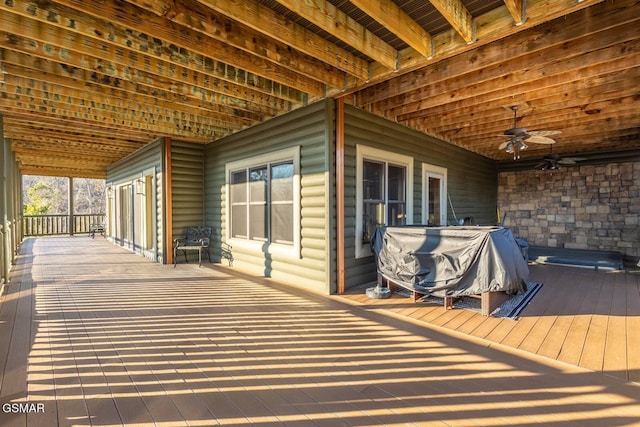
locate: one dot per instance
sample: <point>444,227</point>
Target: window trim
<point>429,170</point>
<point>255,246</point>
<point>387,157</point>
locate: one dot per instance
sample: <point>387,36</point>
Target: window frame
<point>428,171</point>
<point>268,160</point>
<point>363,153</point>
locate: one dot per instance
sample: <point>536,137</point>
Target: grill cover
<point>451,261</point>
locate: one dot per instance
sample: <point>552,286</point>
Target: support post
<point>71,208</point>
<point>4,255</point>
<point>340,195</point>
<point>168,204</point>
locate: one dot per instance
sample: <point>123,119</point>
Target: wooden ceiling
<point>84,83</point>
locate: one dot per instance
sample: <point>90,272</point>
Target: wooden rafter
<point>458,16</point>
<point>517,10</point>
<point>73,115</point>
<point>212,24</point>
<point>501,59</point>
<point>165,121</point>
<point>81,131</point>
<point>53,93</point>
<point>146,52</point>
<point>268,22</point>
<point>212,94</point>
<point>387,13</point>
<point>491,26</point>
<point>331,19</point>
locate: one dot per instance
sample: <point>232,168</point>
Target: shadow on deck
<point>111,338</point>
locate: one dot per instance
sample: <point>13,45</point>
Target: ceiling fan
<point>518,135</point>
<point>553,161</point>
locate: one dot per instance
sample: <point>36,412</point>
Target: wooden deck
<point>110,338</point>
<point>584,317</point>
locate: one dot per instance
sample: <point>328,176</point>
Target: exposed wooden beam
<point>262,19</point>
<point>62,160</point>
<point>387,13</point>
<point>458,16</point>
<point>517,10</point>
<point>210,93</point>
<point>555,43</point>
<point>214,24</point>
<point>72,115</point>
<point>490,27</point>
<point>35,138</point>
<point>115,115</point>
<point>54,93</point>
<point>149,35</point>
<point>331,19</point>
<point>78,132</point>
<point>537,77</point>
<point>63,171</point>
<point>551,118</point>
<point>18,146</point>
<point>545,101</point>
<point>129,60</point>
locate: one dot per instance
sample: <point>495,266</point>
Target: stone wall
<point>581,207</point>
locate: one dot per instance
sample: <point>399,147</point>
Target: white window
<point>384,188</point>
<point>434,195</point>
<point>264,203</point>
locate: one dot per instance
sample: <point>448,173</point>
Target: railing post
<point>71,208</point>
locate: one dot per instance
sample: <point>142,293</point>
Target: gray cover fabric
<point>451,261</point>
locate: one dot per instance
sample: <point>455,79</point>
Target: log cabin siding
<point>310,129</point>
<point>187,184</point>
<point>472,179</point>
<point>127,171</point>
<point>187,190</point>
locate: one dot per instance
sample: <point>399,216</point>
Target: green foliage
<point>50,195</point>
<point>39,199</point>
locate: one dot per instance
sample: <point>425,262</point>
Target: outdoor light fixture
<point>140,186</point>
<point>110,192</point>
<point>515,146</point>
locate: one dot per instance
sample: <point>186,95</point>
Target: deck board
<point>111,338</point>
<point>585,317</point>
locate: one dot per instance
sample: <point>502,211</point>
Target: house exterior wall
<point>309,132</point>
<point>593,207</point>
<point>471,180</point>
<point>123,180</point>
<point>187,188</point>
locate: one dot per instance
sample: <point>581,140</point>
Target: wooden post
<point>71,225</point>
<point>168,202</point>
<point>340,195</point>
<point>4,256</point>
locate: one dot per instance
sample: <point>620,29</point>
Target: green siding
<point>129,170</point>
<point>308,129</point>
<point>472,179</point>
<point>187,186</point>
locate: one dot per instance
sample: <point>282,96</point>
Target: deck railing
<point>50,225</point>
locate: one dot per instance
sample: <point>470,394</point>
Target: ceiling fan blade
<point>570,160</point>
<point>539,139</point>
<point>504,145</point>
<point>544,132</point>
<point>541,166</point>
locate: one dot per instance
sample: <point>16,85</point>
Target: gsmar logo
<point>22,408</point>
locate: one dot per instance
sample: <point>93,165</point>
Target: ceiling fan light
<point>522,145</point>
<point>509,147</point>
